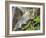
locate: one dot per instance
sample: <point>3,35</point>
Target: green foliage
<point>33,24</point>
<point>37,19</point>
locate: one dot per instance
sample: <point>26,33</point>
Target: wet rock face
<point>17,16</point>
<point>22,15</point>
